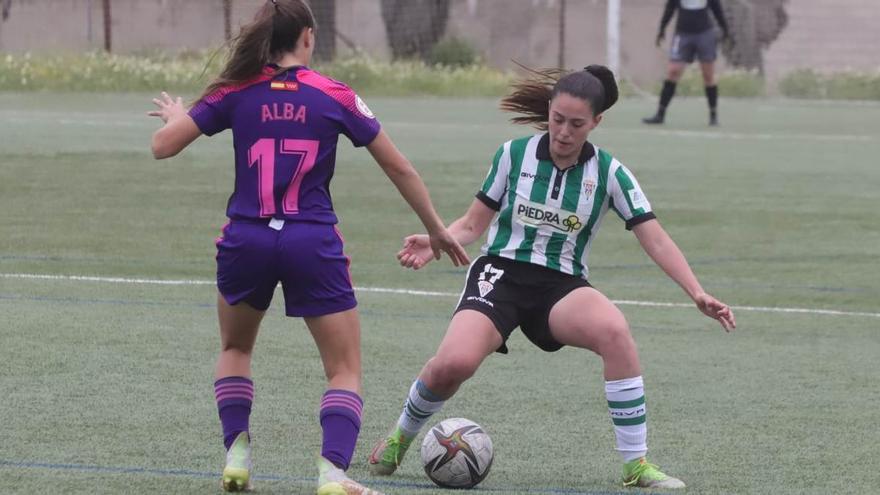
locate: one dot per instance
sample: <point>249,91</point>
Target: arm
<point>413,190</point>
<point>718,12</point>
<point>667,16</point>
<point>179,130</point>
<point>663,250</point>
<point>473,224</point>
<point>467,229</point>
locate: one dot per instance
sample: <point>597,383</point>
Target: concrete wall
<point>828,35</point>
<point>822,34</point>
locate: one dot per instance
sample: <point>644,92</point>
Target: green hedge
<point>807,83</point>
<point>190,73</point>
<point>733,83</point>
<point>456,73</point>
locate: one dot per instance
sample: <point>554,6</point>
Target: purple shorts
<point>306,257</point>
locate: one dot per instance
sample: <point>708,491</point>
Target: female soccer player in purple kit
<point>286,120</point>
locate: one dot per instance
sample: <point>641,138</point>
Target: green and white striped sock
<point>626,403</point>
<point>420,405</point>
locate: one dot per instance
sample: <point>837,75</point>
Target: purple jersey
<point>285,129</point>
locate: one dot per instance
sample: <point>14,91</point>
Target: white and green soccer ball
<point>457,453</point>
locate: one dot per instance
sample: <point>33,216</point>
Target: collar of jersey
<point>543,151</point>
<point>276,69</point>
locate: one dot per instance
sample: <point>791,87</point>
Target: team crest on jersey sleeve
<point>363,108</point>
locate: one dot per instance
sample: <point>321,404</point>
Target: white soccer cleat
<point>237,473</point>
<point>333,481</point>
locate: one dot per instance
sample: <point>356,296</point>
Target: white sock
<point>420,405</point>
<point>626,403</point>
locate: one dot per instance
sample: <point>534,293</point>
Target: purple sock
<point>234,395</point>
<point>341,422</point>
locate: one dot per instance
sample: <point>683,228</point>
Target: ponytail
<point>531,96</point>
<point>274,31</point>
<point>609,85</point>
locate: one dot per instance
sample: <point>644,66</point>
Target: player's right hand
<point>169,108</point>
<point>660,38</point>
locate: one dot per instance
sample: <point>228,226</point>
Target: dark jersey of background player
<point>693,15</point>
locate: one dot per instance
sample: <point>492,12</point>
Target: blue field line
<point>276,477</point>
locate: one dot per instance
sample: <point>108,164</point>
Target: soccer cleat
<point>333,481</point>
<point>656,119</point>
<point>388,453</point>
<point>713,119</point>
<point>237,473</point>
<point>641,473</point>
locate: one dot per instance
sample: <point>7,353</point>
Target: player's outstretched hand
<point>416,252</point>
<point>169,107</point>
<point>660,38</point>
<point>713,308</point>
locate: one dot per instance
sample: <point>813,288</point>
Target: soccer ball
<point>457,453</point>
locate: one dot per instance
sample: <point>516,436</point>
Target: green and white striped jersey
<point>549,216</point>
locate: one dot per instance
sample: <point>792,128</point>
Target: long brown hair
<point>531,95</point>
<point>274,30</point>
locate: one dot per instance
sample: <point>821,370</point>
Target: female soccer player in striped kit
<point>542,201</point>
<point>286,120</point>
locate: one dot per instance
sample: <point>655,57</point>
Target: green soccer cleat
<point>388,454</point>
<point>641,473</point>
<point>237,473</point>
<point>333,481</point>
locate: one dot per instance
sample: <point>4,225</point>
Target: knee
<point>674,74</point>
<point>451,371</point>
<point>617,339</point>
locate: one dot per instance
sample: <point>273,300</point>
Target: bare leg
<point>239,325</point>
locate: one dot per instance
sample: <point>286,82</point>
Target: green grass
<point>192,71</point>
<point>108,385</point>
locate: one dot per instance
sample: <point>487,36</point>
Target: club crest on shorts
<point>485,287</point>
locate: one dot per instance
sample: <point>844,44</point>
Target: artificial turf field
<point>106,372</point>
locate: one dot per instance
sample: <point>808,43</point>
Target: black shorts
<point>685,47</point>
<point>517,294</point>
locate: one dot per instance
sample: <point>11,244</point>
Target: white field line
<point>409,292</point>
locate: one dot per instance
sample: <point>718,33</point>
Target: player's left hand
<point>444,242</point>
<point>169,108</point>
<point>713,308</point>
<point>727,41</point>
